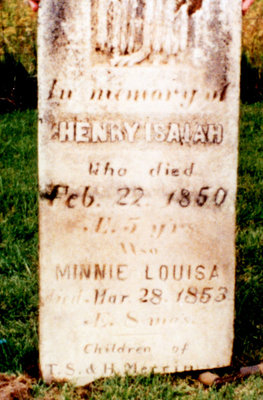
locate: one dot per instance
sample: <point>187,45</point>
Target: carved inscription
<point>95,132</point>
<point>94,369</point>
<point>127,197</point>
<point>145,295</point>
<point>184,97</point>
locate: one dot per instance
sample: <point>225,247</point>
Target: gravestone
<point>138,127</point>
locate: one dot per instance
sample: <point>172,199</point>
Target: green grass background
<point>19,267</point>
<point>18,239</point>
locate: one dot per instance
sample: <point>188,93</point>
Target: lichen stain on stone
<point>140,17</point>
<point>139,9</point>
<point>50,193</point>
<point>59,11</point>
<point>194,6</point>
<point>48,119</point>
<point>218,62</point>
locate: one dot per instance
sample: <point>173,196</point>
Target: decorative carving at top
<point>130,31</point>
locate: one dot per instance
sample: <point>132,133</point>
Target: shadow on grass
<point>251,84</point>
<point>18,89</point>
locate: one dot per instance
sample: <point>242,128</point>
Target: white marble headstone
<point>138,128</point>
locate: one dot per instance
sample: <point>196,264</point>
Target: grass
<point>152,387</point>
<point>19,276</point>
<point>18,239</point>
<point>249,281</point>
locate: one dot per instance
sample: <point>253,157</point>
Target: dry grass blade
<point>14,387</point>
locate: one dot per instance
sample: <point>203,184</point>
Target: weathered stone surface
<point>138,125</point>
